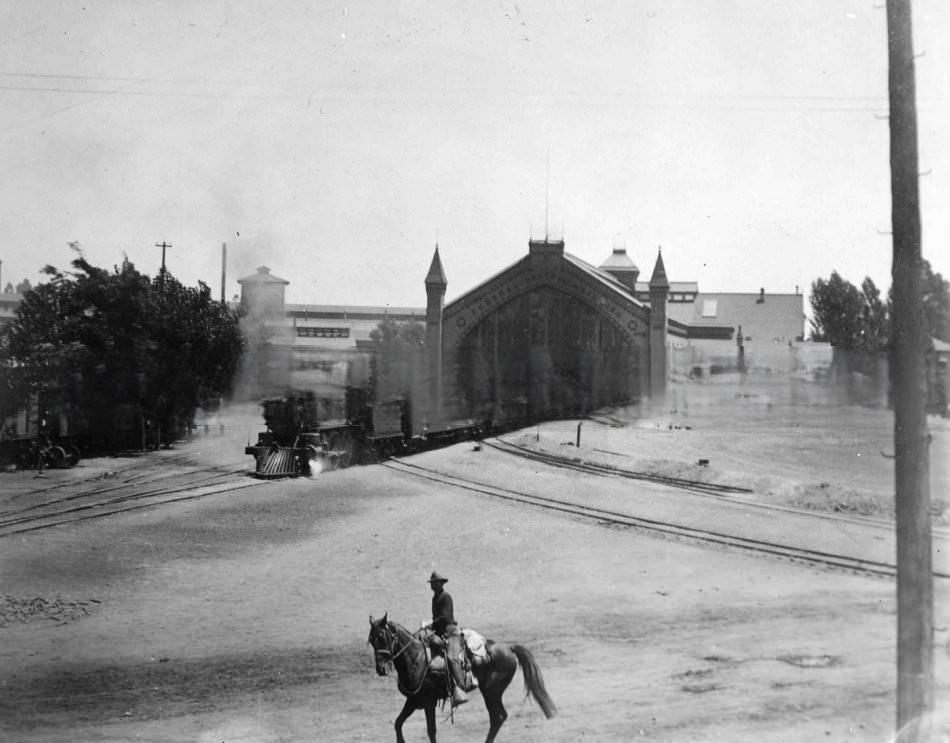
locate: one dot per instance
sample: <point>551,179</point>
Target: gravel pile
<point>57,609</point>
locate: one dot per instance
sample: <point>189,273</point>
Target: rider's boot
<point>458,696</point>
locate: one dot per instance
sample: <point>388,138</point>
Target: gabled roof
<point>611,283</point>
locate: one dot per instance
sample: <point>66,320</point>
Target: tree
<point>858,319</point>
<point>95,342</point>
<point>875,326</point>
<point>836,311</point>
<point>936,300</point>
<point>848,317</point>
<point>396,348</point>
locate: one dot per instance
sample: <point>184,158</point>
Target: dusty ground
<point>243,617</point>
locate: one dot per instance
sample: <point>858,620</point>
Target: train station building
<point>550,336</point>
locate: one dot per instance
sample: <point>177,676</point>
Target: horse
<point>423,686</point>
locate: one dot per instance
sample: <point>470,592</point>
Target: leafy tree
<point>875,325</point>
<point>95,342</point>
<point>936,299</point>
<point>396,348</point>
<point>836,311</point>
<point>848,317</point>
<point>853,318</point>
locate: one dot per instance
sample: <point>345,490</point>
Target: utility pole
<point>163,245</point>
<point>224,268</point>
<point>915,667</point>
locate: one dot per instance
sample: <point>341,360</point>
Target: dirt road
<point>243,616</point>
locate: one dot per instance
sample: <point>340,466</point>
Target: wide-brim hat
<point>436,578</point>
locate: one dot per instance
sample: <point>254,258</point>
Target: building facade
<point>550,336</point>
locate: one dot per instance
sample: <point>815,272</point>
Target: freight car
<point>303,437</point>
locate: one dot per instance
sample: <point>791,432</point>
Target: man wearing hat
<point>443,624</point>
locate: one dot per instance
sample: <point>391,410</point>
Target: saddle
<point>474,653</point>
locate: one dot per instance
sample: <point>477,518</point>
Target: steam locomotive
<point>306,435</point>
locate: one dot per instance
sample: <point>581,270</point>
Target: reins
<point>392,638</point>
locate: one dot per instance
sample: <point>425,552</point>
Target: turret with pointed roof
<point>659,280</point>
<point>436,276</point>
<point>435,298</point>
<point>659,292</point>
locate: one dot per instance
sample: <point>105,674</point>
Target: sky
<point>338,143</point>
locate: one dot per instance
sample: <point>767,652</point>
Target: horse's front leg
<point>407,709</point>
<point>430,721</point>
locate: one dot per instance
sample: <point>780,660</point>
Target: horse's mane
<point>402,631</point>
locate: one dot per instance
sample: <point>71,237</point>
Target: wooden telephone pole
<point>163,245</point>
<point>915,667</point>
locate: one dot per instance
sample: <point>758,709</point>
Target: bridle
<point>386,656</point>
<point>391,639</point>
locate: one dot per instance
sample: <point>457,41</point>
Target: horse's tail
<point>534,681</point>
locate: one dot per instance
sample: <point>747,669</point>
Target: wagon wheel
<point>72,456</point>
<point>55,457</point>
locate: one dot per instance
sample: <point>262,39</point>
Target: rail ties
<point>606,469</point>
<point>603,516</point>
<point>120,498</point>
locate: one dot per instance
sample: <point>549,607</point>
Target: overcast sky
<point>338,142</point>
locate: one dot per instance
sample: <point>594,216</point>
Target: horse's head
<point>382,637</point>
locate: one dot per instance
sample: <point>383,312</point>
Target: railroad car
<point>303,437</point>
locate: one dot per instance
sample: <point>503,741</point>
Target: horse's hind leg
<point>407,709</point>
<point>496,714</point>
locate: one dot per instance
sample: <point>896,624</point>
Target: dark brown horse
<point>423,686</point>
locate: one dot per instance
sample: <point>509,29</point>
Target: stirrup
<point>458,697</point>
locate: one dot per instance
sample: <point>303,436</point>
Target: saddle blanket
<point>476,645</point>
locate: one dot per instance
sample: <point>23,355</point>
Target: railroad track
<point>108,498</point>
<point>616,518</point>
<point>719,492</point>
<point>695,486</point>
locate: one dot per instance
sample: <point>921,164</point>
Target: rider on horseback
<point>443,624</point>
